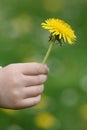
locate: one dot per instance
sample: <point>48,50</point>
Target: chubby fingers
<point>33,91</point>
<point>29,102</point>
<point>31,96</point>
<point>34,68</point>
<point>34,80</point>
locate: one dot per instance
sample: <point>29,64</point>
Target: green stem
<point>48,53</point>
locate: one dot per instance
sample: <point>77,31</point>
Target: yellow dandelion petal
<point>64,38</point>
<point>60,36</point>
<point>69,40</point>
<point>59,28</point>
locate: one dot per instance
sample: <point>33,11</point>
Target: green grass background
<point>23,40</point>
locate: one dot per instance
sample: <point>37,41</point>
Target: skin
<point>21,85</point>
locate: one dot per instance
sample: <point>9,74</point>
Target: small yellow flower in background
<point>59,31</point>
<point>83,111</point>
<point>22,24</point>
<point>45,120</point>
<point>53,5</point>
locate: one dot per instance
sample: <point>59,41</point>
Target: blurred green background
<point>64,101</point>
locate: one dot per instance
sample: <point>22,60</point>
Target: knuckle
<point>11,66</point>
<point>15,95</point>
<point>15,99</point>
<point>16,81</point>
<point>10,69</point>
<point>13,76</point>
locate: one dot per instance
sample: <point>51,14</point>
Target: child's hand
<point>21,85</point>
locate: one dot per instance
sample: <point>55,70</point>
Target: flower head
<point>59,30</point>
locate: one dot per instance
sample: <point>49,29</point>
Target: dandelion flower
<point>59,31</point>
